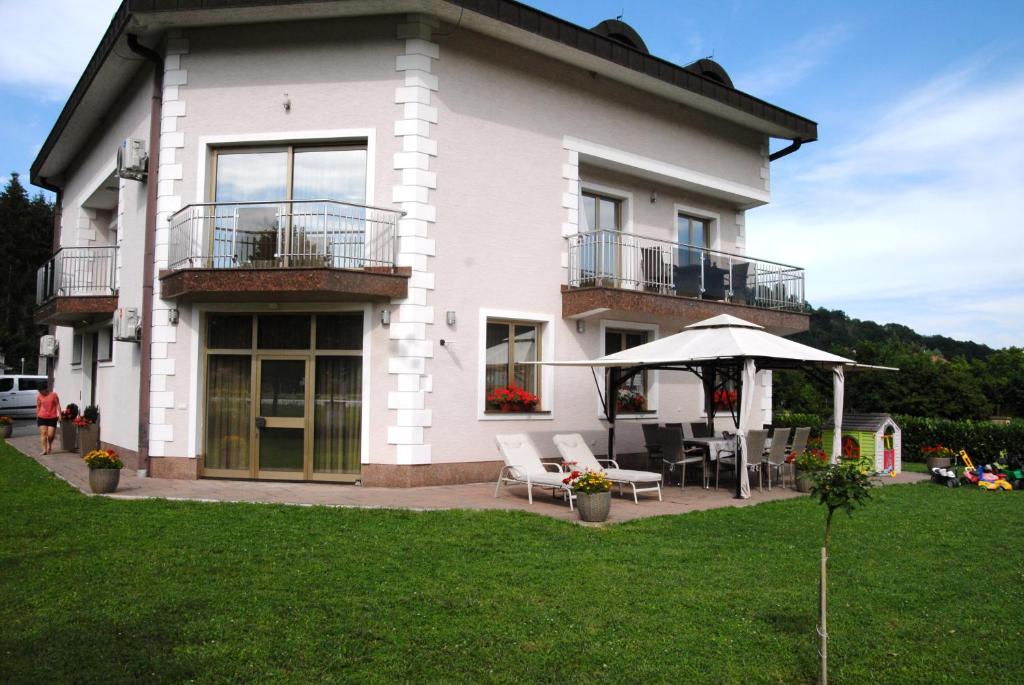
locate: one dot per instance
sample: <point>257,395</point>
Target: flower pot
<point>593,506</point>
<point>6,430</point>
<point>507,407</point>
<point>104,480</point>
<point>88,439</point>
<point>941,462</point>
<point>803,481</point>
<point>68,436</point>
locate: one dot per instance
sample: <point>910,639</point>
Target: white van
<point>18,395</point>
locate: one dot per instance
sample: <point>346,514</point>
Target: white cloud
<point>914,218</point>
<point>792,62</point>
<point>47,44</point>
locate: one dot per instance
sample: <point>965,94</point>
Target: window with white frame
<point>77,342</point>
<point>510,382</point>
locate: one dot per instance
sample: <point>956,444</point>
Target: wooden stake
<point>822,618</point>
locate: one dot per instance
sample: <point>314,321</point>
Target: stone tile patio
<point>71,468</point>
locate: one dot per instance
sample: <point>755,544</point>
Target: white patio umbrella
<point>722,342</point>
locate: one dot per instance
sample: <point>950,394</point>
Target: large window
<point>509,345</point>
<point>281,223</point>
<point>633,397</point>
<point>695,232</point>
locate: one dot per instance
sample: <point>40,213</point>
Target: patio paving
<point>70,468</point>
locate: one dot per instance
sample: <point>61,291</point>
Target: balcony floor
<point>75,310</point>
<point>284,284</point>
<point>579,303</point>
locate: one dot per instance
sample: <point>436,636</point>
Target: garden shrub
<point>983,440</point>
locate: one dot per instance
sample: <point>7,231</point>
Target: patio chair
<point>700,430</point>
<point>687,280</point>
<point>573,448</point>
<point>676,456</point>
<point>652,442</point>
<point>800,437</point>
<point>755,456</point>
<point>776,457</point>
<point>657,275</point>
<point>523,466</point>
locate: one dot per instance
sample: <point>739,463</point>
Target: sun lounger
<point>523,466</point>
<point>573,448</point>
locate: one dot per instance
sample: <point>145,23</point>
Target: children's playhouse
<point>875,436</point>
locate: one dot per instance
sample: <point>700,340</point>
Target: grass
<point>926,587</point>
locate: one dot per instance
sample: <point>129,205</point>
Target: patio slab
<point>70,468</point>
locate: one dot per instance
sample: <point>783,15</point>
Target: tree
<point>838,486</point>
<point>26,229</point>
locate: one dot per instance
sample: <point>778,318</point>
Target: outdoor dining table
<point>713,445</point>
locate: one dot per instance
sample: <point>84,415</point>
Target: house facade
<point>361,219</point>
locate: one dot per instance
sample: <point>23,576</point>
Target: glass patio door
<point>281,421</point>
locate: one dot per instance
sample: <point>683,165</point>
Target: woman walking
<point>47,411</point>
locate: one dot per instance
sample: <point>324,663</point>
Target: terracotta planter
<point>593,506</point>
<point>941,462</point>
<point>68,436</point>
<point>104,480</point>
<point>6,430</point>
<point>88,439</point>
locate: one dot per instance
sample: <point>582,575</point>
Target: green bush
<point>983,440</point>
<point>792,419</point>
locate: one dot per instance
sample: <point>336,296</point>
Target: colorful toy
<point>978,475</point>
<point>875,436</point>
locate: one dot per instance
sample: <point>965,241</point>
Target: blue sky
<point>906,209</point>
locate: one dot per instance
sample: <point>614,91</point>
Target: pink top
<point>47,407</point>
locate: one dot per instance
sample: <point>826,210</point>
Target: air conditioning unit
<point>127,325</point>
<point>132,159</point>
<point>48,346</point>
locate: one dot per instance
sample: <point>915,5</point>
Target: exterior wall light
<point>450,318</point>
<point>385,317</point>
<point>581,326</point>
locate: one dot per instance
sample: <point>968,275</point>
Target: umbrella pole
<point>610,397</point>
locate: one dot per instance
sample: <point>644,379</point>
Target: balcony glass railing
<point>78,272</point>
<point>283,234</point>
<point>612,259</point>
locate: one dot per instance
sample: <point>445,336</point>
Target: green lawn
<point>927,587</point>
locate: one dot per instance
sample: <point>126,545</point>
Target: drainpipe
<point>152,178</point>
<point>788,150</point>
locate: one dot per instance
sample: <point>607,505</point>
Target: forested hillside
<point>938,377</point>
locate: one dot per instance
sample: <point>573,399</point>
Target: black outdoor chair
<point>687,280</point>
<point>741,290</point>
<point>652,443</point>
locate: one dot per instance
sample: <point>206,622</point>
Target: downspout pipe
<point>152,181</point>
<point>788,150</point>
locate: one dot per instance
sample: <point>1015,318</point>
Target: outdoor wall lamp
<point>172,317</point>
<point>581,326</point>
<point>450,318</point>
<point>385,317</point>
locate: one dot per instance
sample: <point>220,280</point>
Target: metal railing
<point>282,234</point>
<point>632,262</point>
<point>78,272</point>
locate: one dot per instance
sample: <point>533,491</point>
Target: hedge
<point>983,440</point>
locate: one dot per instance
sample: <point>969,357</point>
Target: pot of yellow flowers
<point>593,493</point>
<point>104,470</point>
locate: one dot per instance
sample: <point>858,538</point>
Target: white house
<point>358,219</point>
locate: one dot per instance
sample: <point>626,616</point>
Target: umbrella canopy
<point>721,341</point>
<point>719,338</point>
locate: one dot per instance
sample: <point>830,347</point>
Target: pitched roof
<point>648,72</point>
<point>862,422</point>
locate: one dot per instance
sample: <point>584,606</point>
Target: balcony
<point>77,286</point>
<point>614,271</point>
<point>308,250</point>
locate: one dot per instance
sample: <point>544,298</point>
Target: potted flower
<point>804,466</point>
<point>68,430</point>
<point>631,400</point>
<point>937,456</point>
<point>88,430</point>
<point>512,398</point>
<point>593,492</point>
<point>104,470</point>
<point>6,426</point>
<point>725,399</point>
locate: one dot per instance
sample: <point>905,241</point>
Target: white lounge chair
<point>573,448</point>
<point>523,465</point>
